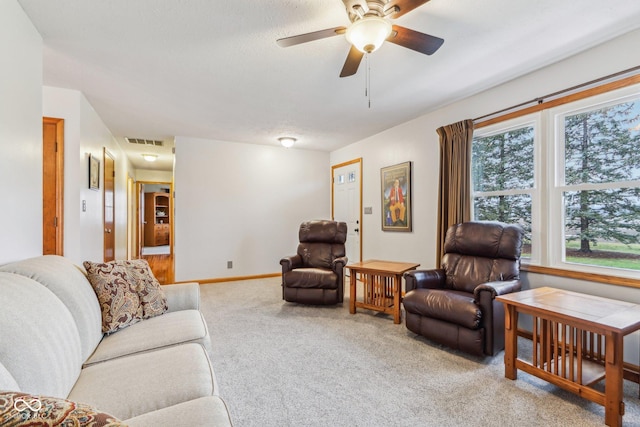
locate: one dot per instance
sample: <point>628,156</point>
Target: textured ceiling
<point>210,69</point>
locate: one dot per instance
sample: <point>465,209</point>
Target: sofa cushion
<point>146,382</point>
<point>39,340</point>
<point>117,294</point>
<point>451,306</point>
<point>69,283</point>
<point>18,408</point>
<point>311,278</point>
<point>203,412</point>
<point>162,331</point>
<point>152,297</point>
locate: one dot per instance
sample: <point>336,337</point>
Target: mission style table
<point>577,341</point>
<point>382,285</point>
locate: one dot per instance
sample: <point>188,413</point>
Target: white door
<point>347,178</point>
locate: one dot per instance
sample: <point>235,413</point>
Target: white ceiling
<point>210,69</point>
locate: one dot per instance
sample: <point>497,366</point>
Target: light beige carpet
<point>283,364</point>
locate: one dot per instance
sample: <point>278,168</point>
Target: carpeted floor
<point>283,364</point>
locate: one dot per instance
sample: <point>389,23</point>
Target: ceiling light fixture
<point>287,141</point>
<point>368,34</point>
<point>150,157</point>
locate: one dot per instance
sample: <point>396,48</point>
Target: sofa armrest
<point>496,288</point>
<point>182,296</point>
<point>425,279</point>
<point>288,263</point>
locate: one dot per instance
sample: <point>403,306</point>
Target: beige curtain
<point>454,192</point>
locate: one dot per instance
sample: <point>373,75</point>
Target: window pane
<point>503,161</point>
<point>602,227</point>
<point>510,209</point>
<point>603,145</point>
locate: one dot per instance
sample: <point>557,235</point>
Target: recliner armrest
<point>339,263</point>
<point>498,287</point>
<point>425,279</point>
<point>290,262</point>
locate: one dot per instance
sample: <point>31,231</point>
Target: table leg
<point>510,342</point>
<point>352,292</point>
<point>613,405</point>
<point>397,292</point>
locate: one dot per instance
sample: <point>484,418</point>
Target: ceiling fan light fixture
<point>287,141</point>
<point>368,34</point>
<point>150,157</point>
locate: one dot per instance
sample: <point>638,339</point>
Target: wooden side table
<point>382,286</point>
<point>577,341</point>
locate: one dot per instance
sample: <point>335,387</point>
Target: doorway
<point>154,234</point>
<point>346,204</point>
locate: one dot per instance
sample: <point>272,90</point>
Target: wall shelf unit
<point>157,217</point>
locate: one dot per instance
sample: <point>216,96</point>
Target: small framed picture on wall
<point>396,197</point>
<point>94,172</point>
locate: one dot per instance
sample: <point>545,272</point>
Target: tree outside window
<point>503,178</point>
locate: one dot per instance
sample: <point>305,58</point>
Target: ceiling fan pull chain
<point>367,90</point>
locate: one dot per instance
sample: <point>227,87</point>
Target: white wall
<point>417,141</point>
<point>85,134</point>
<point>243,203</point>
<point>153,176</point>
<point>20,135</point>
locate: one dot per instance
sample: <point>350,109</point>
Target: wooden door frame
<point>340,165</point>
<point>59,188</point>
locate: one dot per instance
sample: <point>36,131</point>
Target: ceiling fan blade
<point>309,37</point>
<point>352,63</point>
<point>404,6</point>
<point>411,39</point>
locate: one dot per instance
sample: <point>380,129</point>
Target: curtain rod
<point>541,99</point>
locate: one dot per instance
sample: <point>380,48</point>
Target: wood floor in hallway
<point>162,267</point>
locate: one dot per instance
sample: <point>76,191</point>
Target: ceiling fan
<point>370,27</point>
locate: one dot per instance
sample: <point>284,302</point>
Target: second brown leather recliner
<point>315,275</point>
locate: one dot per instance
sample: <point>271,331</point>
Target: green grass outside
<point>630,264</point>
<point>608,246</point>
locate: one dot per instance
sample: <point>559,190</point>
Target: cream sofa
<point>156,372</point>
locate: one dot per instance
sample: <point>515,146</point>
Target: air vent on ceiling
<point>141,141</point>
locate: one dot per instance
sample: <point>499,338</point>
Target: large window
<point>598,157</point>
<point>570,176</point>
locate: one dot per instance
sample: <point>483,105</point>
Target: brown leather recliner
<point>455,305</point>
<point>315,275</point>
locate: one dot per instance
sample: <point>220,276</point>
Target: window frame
<point>545,178</point>
<point>556,251</point>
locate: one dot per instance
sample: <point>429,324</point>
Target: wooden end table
<point>577,341</point>
<point>382,285</point>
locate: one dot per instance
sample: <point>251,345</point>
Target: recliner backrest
<point>481,251</point>
<point>321,241</point>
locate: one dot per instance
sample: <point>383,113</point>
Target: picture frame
<point>396,197</point>
<point>94,172</point>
